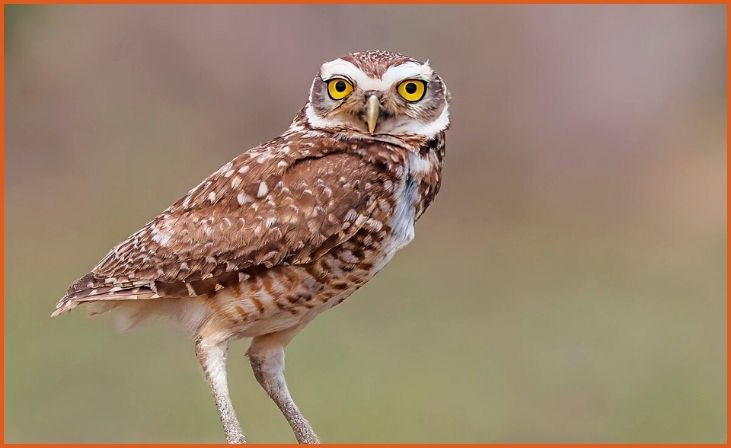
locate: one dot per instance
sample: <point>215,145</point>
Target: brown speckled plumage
<point>288,228</point>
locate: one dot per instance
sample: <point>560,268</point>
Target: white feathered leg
<point>212,357</point>
<point>266,355</point>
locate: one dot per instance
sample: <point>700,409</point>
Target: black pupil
<point>340,86</point>
<point>410,88</point>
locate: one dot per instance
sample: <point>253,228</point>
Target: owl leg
<point>266,355</point>
<point>212,357</point>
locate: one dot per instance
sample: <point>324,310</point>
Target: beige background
<point>567,285</point>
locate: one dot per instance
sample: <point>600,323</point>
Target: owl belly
<point>282,297</point>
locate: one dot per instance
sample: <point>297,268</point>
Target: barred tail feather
<point>85,290</point>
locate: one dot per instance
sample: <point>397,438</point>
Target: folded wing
<point>281,203</point>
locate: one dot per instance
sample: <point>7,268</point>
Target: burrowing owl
<point>287,229</point>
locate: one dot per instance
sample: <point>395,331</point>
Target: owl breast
<point>401,223</point>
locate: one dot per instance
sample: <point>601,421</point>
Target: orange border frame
<point>2,209</point>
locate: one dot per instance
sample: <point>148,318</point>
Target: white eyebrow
<point>408,70</point>
<point>344,68</point>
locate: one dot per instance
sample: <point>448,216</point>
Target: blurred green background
<point>568,285</point>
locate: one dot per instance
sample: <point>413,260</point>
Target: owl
<point>287,229</point>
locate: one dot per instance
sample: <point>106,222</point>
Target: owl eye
<point>339,88</point>
<point>412,90</point>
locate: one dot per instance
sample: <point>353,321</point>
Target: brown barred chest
<point>278,298</point>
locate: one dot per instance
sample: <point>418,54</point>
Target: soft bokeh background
<point>568,285</point>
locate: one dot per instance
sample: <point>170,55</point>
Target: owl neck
<point>414,143</point>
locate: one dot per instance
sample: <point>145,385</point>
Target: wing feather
<point>286,202</point>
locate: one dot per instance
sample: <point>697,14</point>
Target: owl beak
<point>373,109</point>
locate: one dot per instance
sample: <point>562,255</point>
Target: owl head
<point>374,93</point>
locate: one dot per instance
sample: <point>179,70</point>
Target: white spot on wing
<point>161,237</point>
<point>242,198</point>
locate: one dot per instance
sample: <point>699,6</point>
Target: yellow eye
<point>412,90</point>
<point>339,88</point>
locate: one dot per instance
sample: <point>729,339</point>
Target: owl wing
<point>273,205</point>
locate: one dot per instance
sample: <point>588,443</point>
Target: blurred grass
<point>568,284</point>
